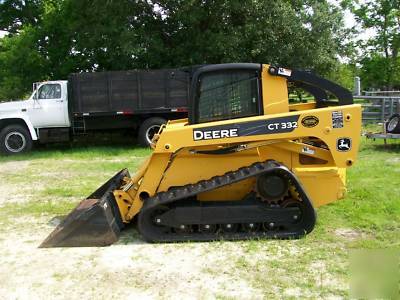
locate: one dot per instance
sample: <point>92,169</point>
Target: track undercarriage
<point>177,216</point>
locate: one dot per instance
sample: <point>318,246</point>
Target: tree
<point>91,35</point>
<point>344,74</point>
<point>72,36</point>
<point>381,59</point>
<point>14,14</point>
<point>20,64</point>
<point>305,34</point>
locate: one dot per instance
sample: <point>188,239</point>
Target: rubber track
<point>178,193</point>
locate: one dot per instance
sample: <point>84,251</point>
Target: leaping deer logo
<point>344,144</point>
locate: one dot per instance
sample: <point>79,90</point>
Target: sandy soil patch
<point>19,191</point>
<point>132,270</point>
<point>393,160</point>
<point>13,167</point>
<point>349,234</point>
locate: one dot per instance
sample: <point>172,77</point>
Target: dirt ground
<point>130,268</point>
<point>314,267</point>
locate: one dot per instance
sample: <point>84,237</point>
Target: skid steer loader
<point>246,164</point>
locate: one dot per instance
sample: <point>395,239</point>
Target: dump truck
<point>138,101</point>
<point>245,164</point>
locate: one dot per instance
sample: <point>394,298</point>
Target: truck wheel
<point>148,129</point>
<point>15,139</point>
<point>393,124</point>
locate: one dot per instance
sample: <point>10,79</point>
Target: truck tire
<point>393,124</point>
<point>148,129</point>
<point>15,139</point>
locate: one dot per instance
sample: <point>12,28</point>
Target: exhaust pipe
<point>95,222</point>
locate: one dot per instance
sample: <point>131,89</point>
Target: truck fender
<point>27,122</point>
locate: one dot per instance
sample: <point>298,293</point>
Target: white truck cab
<point>21,121</point>
<point>137,102</point>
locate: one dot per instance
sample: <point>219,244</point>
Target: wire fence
<point>378,108</point>
<point>382,93</point>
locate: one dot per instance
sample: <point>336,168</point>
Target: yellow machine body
<point>316,144</point>
<point>321,171</point>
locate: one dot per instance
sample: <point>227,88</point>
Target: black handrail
<point>315,85</point>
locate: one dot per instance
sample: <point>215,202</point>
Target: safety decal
<point>271,126</point>
<point>310,121</point>
<point>337,119</point>
<point>284,72</point>
<point>308,150</point>
<point>343,144</point>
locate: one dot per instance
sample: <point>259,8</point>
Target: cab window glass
<point>50,91</point>
<point>228,95</point>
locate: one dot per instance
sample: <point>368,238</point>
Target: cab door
<point>225,92</point>
<point>50,107</point>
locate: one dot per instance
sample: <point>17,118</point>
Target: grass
<point>317,266</point>
<point>54,180</point>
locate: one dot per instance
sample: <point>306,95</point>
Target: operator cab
<point>226,91</point>
<point>240,90</point>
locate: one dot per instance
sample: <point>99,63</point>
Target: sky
<point>350,22</point>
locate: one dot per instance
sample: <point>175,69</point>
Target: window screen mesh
<point>228,95</point>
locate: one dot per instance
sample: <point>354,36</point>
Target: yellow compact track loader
<point>246,164</point>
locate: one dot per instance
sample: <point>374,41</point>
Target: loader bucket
<point>95,222</point>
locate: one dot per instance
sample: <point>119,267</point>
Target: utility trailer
<point>385,136</point>
<point>391,130</point>
<point>137,100</point>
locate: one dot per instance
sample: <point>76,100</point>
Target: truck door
<point>50,106</point>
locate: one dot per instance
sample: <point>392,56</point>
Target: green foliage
<point>344,74</point>
<point>21,63</point>
<point>380,59</point>
<point>374,72</point>
<point>292,33</point>
<point>73,36</point>
<point>14,14</point>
